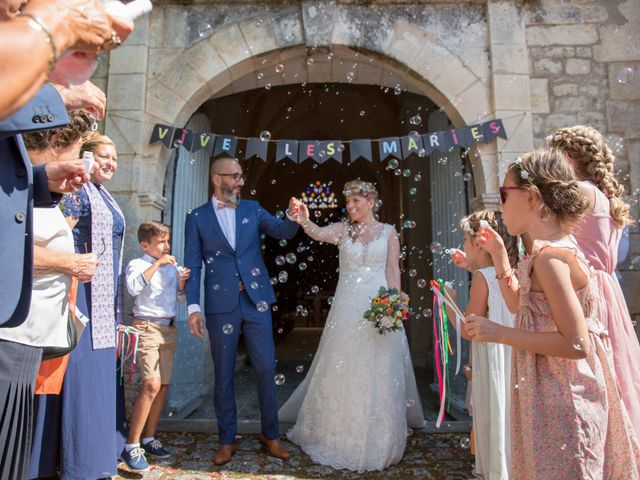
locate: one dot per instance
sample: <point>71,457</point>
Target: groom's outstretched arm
<point>275,227</point>
<point>192,259</point>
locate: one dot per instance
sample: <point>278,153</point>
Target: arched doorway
<point>411,191</point>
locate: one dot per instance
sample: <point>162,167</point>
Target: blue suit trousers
<point>224,331</point>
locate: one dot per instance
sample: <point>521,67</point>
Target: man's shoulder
<point>200,209</point>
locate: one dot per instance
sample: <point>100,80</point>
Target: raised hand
<point>459,258</point>
<point>294,207</point>
<point>490,241</point>
<point>85,96</point>
<point>66,176</point>
<point>166,259</point>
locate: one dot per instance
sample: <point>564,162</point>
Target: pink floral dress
<point>567,418</point>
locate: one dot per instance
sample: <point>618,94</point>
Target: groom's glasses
<point>236,176</point>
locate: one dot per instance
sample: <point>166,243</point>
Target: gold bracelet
<point>36,23</point>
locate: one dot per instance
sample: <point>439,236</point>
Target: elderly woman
<point>89,440</point>
<point>54,264</point>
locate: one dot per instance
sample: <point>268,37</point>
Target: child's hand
<point>481,329</point>
<point>183,275</point>
<point>166,259</point>
<point>459,258</point>
<point>490,241</point>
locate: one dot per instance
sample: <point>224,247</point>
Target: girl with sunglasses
<point>567,418</point>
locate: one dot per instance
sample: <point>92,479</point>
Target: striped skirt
<point>19,366</point>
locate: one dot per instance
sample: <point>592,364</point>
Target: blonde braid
<point>593,161</point>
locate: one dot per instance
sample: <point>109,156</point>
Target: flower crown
<point>524,173</point>
<point>363,190</point>
<point>466,226</point>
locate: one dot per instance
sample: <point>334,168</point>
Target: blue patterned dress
<point>86,421</point>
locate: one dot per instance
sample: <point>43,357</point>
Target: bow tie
<point>226,205</point>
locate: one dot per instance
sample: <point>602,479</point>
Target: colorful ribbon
<point>443,348</point>
<point>127,347</point>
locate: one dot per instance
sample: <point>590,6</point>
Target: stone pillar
<point>510,83</point>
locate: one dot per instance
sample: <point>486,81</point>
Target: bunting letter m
<point>390,147</point>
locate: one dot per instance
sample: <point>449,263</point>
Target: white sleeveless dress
<point>491,392</point>
<point>359,397</point>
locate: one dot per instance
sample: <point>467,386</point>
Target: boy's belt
<point>162,321</point>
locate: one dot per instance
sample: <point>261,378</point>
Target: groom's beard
<point>230,195</point>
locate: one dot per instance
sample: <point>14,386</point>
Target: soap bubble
<point>265,135</point>
<point>626,75</point>
<point>262,306</point>
<point>204,29</point>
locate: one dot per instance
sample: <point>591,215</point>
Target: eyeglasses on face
<point>236,176</point>
<point>503,192</point>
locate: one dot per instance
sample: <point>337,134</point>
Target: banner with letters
<point>320,151</point>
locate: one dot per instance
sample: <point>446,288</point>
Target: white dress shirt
<point>155,299</point>
<point>227,221</point>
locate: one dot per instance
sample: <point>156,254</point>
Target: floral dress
<point>567,418</point>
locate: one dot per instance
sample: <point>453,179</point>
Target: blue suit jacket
<point>21,187</point>
<point>225,268</point>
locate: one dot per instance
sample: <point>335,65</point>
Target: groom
<point>223,236</point>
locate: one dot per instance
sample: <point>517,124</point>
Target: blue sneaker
<point>155,449</point>
<point>135,459</point>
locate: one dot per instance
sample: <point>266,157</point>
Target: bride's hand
<point>303,214</point>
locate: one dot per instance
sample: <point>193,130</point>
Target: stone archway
<point>471,59</point>
<point>397,52</point>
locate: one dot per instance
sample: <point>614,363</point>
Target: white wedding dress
<point>359,398</point>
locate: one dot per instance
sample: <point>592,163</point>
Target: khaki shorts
<point>156,348</point>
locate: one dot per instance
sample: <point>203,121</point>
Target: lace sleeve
<point>76,205</point>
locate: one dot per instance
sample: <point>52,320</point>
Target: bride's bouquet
<point>388,310</point>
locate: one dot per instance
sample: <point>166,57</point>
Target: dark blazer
<point>224,268</point>
<point>20,188</point>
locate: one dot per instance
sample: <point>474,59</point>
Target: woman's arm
<point>330,234</point>
<point>392,270</point>
<point>491,242</point>
<point>46,261</point>
<point>31,51</point>
<point>571,341</point>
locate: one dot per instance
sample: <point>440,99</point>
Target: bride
<point>359,397</point>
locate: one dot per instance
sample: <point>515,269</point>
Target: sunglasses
<point>503,192</point>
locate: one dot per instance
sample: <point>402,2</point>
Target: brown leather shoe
<point>275,447</point>
<point>223,454</point>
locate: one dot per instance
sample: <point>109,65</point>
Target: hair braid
<point>593,161</point>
